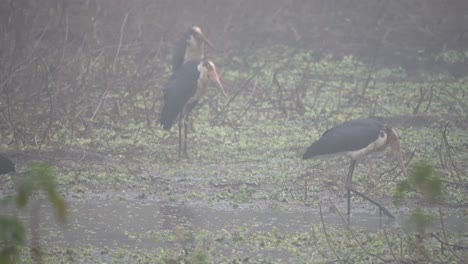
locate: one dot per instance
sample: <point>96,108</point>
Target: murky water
<point>130,223</point>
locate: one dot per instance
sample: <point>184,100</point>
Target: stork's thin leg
<point>186,124</point>
<point>187,110</point>
<point>383,209</point>
<point>349,179</point>
<point>180,136</point>
<point>350,189</point>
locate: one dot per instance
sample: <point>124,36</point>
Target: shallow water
<point>130,223</point>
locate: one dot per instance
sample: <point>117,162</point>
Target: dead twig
<point>243,87</point>
<point>353,234</point>
<point>327,237</point>
<point>381,208</point>
<point>444,233</point>
<point>120,40</point>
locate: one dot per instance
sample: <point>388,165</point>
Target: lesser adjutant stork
<point>181,94</point>
<point>357,138</point>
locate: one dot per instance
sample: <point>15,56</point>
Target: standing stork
<point>189,47</point>
<point>181,94</point>
<point>357,138</point>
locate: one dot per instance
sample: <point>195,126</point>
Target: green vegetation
<point>314,245</point>
<point>245,153</point>
<point>38,177</point>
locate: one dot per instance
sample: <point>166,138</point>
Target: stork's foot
<point>381,208</point>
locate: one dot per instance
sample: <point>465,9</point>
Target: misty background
<point>73,63</point>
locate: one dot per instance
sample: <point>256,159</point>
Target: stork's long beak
<point>395,145</point>
<point>214,77</point>
<point>205,39</point>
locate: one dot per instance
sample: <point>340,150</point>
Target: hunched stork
<point>181,94</point>
<point>357,138</point>
<point>189,47</point>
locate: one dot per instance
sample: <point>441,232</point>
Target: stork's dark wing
<point>348,136</point>
<point>181,86</point>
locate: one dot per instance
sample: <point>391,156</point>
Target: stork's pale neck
<point>195,49</point>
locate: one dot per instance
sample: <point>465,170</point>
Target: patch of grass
<point>246,150</point>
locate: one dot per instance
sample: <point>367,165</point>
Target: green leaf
<point>12,236</point>
<point>428,184</point>
<point>421,221</point>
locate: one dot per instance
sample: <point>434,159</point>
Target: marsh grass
<point>245,150</point>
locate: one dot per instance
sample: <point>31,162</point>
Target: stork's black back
<point>182,85</point>
<point>6,165</point>
<point>178,53</point>
<point>348,136</point>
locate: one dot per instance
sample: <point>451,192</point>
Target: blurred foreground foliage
<point>38,178</point>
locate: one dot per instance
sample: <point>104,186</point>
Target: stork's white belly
<point>377,145</point>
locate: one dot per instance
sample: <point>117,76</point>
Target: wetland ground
<point>81,89</point>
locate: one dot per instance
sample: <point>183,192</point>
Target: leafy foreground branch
<point>425,181</point>
<point>38,178</point>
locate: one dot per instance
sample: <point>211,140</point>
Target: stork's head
<point>197,38</point>
<point>394,142</point>
<point>207,71</point>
